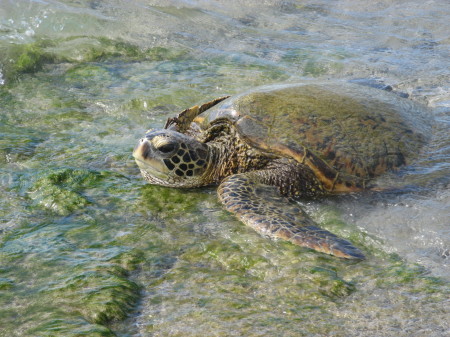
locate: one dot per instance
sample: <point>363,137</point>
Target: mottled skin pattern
<point>160,151</point>
<point>292,142</point>
<point>254,203</point>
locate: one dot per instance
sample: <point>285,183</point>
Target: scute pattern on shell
<point>357,130</point>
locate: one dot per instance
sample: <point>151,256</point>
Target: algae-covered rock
<point>18,143</point>
<point>61,190</point>
<point>229,257</point>
<point>67,288</point>
<point>100,296</point>
<point>6,283</point>
<point>311,64</point>
<point>78,49</point>
<point>169,202</point>
<point>23,58</point>
<point>81,75</point>
<point>399,274</point>
<point>17,59</point>
<point>70,327</point>
<point>101,292</point>
<point>330,284</point>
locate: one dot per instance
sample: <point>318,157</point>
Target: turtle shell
<point>357,130</point>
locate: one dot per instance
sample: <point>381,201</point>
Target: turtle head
<point>169,158</point>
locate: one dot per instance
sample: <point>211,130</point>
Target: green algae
<point>223,283</point>
<point>198,287</point>
<point>60,190</point>
<point>229,257</point>
<point>81,285</point>
<point>330,218</point>
<point>247,72</point>
<point>23,58</point>
<point>311,64</point>
<point>100,296</point>
<point>169,202</point>
<point>59,108</point>
<point>77,49</point>
<point>6,283</point>
<point>415,276</point>
<point>74,327</point>
<point>18,144</point>
<point>234,277</point>
<point>93,284</point>
<point>31,57</point>
<point>82,75</point>
<point>330,284</point>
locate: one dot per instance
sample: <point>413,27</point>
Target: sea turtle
<point>273,144</point>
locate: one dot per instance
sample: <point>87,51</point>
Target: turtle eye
<point>166,148</point>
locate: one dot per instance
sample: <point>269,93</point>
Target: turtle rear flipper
<point>261,207</point>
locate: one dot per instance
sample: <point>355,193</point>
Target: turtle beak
<point>142,150</point>
<point>143,154</point>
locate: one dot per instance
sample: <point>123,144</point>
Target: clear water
<point>88,249</point>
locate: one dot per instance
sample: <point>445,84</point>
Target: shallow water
<point>87,248</point>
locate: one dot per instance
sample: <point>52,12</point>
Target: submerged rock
<point>61,190</point>
<point>17,59</point>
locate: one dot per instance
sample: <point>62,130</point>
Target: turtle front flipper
<point>261,207</point>
<point>183,120</point>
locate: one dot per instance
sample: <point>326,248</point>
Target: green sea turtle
<point>270,145</point>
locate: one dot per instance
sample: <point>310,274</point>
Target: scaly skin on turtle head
<point>170,158</point>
